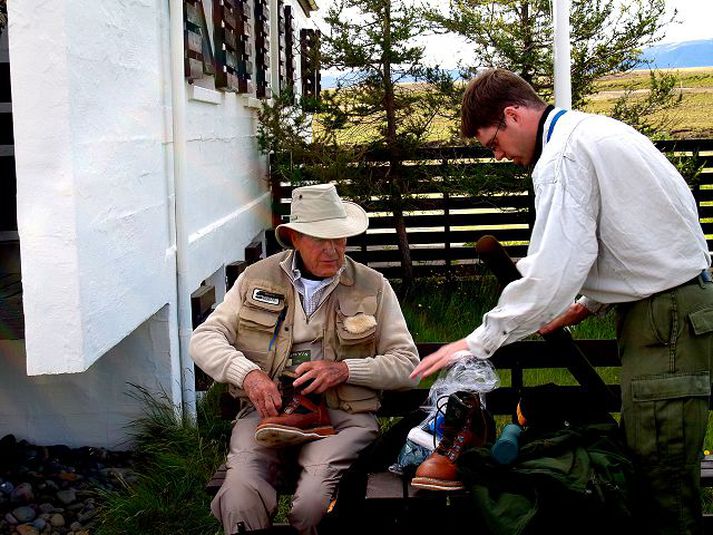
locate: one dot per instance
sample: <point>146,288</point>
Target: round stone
<point>22,493</point>
<point>67,496</point>
<point>27,529</point>
<point>57,520</point>
<point>24,514</point>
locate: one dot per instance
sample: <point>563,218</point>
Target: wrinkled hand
<point>324,374</point>
<point>573,315</point>
<point>439,359</point>
<point>263,393</point>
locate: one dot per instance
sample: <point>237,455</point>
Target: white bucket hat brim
<point>318,211</point>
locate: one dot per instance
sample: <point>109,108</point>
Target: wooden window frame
<point>231,35</point>
<point>197,50</point>
<point>310,63</point>
<point>262,48</point>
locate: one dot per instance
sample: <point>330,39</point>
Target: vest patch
<point>263,296</point>
<point>298,357</point>
<point>360,323</point>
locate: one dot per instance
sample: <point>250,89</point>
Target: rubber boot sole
<point>276,435</point>
<point>431,483</point>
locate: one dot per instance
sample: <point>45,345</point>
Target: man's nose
<point>499,155</point>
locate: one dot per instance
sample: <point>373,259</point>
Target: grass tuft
<point>176,456</point>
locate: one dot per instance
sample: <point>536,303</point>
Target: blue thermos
<point>507,447</point>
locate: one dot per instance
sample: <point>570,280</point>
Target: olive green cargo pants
<point>666,346</point>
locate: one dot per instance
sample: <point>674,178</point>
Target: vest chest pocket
<point>256,328</point>
<point>356,329</point>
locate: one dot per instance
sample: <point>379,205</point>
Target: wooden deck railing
<point>442,226</point>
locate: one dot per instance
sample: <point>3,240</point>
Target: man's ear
<point>293,235</point>
<point>513,112</point>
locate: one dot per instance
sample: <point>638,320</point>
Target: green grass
<point>439,310</point>
<point>691,119</point>
<point>176,457</point>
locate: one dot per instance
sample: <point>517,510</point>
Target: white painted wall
<point>93,149</point>
<point>94,127</point>
<point>226,182</point>
<point>91,408</point>
<point>90,119</point>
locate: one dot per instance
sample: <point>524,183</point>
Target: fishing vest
<point>266,317</point>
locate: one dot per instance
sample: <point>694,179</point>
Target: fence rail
<point>442,227</point>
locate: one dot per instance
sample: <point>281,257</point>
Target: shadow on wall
<point>91,408</point>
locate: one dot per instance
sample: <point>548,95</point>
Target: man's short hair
<point>488,94</point>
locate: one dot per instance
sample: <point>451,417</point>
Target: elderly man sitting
<point>334,326</point>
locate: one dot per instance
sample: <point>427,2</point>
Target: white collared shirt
<point>615,222</point>
<point>312,292</point>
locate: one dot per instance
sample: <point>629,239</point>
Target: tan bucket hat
<point>319,212</point>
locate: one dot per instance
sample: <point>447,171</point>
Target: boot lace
<point>441,403</point>
<point>292,406</point>
<point>453,440</point>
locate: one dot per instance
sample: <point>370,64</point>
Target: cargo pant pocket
<point>666,418</point>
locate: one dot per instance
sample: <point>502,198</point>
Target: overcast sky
<point>695,16</point>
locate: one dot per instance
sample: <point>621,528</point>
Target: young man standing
<point>617,225</point>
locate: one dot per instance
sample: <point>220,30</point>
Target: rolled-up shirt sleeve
<point>562,250</point>
<point>595,307</point>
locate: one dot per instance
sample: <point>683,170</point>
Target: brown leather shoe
<point>466,424</point>
<point>302,420</point>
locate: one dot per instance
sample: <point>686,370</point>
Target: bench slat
<point>389,486</point>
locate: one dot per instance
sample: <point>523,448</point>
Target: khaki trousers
<point>666,349</point>
<point>249,494</point>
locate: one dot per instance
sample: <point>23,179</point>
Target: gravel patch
<point>56,490</point>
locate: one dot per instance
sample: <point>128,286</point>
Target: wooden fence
<point>443,227</point>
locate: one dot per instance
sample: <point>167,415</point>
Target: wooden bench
<point>389,499</point>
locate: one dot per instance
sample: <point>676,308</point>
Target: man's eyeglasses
<point>492,144</point>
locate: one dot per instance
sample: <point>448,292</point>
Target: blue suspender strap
<point>280,319</point>
<point>554,122</point>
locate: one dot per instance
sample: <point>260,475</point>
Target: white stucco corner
<point>91,153</point>
<point>201,94</point>
<point>251,102</point>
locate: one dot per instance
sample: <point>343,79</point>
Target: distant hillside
<point>667,56</point>
<point>681,55</point>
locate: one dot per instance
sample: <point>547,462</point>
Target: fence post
<point>447,221</point>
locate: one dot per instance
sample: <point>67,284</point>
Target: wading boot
<point>466,424</point>
<point>304,418</point>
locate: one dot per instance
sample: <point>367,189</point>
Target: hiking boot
<point>304,419</point>
<point>467,424</point>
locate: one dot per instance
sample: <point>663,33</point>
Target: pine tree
<point>606,37</point>
<point>385,103</point>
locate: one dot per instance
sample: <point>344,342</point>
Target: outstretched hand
<point>573,315</point>
<point>323,374</point>
<point>445,356</point>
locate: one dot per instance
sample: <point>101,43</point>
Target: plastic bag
<point>468,373</point>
